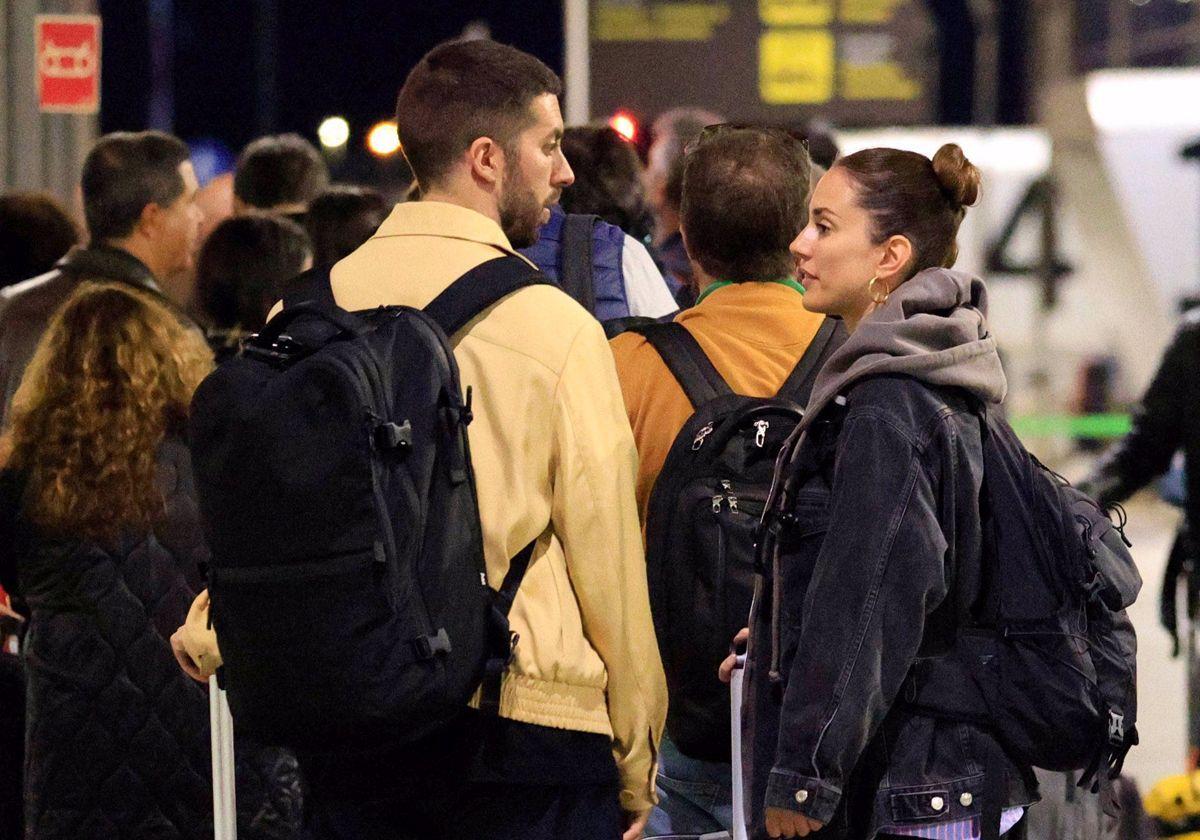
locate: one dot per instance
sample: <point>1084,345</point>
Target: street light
<point>382,140</point>
<point>625,125</point>
<point>333,132</point>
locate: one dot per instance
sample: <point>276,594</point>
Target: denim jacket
<point>883,561</point>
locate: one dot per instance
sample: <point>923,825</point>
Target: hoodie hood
<point>932,328</point>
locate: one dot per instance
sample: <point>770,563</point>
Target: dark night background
<point>242,68</point>
<point>232,70</point>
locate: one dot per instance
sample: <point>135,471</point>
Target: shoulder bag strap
<point>686,360</point>
<point>575,271</point>
<point>481,287</point>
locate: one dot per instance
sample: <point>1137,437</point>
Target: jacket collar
<point>441,219</point>
<point>108,263</point>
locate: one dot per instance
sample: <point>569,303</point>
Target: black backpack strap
<point>504,641</point>
<point>686,360</point>
<point>481,287</point>
<point>575,263</point>
<point>313,286</point>
<point>799,384</point>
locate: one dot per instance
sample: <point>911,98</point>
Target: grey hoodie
<point>933,328</point>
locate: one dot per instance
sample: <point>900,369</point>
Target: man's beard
<point>520,211</point>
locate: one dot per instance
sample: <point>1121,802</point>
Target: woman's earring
<point>876,297</point>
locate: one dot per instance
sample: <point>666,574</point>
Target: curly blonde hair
<point>112,376</point>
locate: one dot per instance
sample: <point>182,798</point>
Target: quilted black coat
<point>117,738</point>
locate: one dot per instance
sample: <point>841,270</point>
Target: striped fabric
<point>957,830</point>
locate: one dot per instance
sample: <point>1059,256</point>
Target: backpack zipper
<point>760,438</point>
<point>725,494</point>
<point>701,435</point>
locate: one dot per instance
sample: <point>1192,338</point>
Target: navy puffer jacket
<point>117,736</point>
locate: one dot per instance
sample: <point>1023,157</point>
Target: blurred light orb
<point>625,125</point>
<point>383,139</point>
<point>333,132</point>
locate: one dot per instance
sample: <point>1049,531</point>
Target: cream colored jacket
<point>554,458</point>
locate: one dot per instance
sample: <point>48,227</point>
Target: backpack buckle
<point>427,647</point>
<point>1116,728</point>
<point>389,436</point>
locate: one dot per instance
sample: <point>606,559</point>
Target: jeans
<point>695,797</point>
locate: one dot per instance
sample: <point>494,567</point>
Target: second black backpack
<point>349,592</point>
<point>700,528</point>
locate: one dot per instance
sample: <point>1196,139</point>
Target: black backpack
<point>1049,659</point>
<point>348,585</point>
<point>1046,660</point>
<point>700,528</point>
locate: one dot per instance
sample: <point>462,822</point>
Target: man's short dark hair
<point>35,232</point>
<point>279,169</point>
<point>461,91</point>
<point>745,198</point>
<point>123,173</point>
<point>342,218</point>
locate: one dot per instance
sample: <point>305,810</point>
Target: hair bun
<point>957,176</point>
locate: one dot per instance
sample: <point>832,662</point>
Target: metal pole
<point>576,62</point>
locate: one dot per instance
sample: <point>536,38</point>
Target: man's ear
<point>150,220</point>
<point>894,260</point>
<point>683,236</point>
<point>487,160</point>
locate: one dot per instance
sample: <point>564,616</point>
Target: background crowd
<point>106,331</point>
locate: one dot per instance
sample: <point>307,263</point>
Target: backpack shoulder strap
<point>479,288</point>
<point>799,384</point>
<point>313,286</point>
<point>686,360</point>
<point>575,271</point>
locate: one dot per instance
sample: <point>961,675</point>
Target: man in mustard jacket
<point>583,703</point>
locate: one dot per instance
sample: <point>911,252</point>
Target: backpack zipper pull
<point>701,435</point>
<point>760,439</point>
<point>727,486</point>
<point>716,503</point>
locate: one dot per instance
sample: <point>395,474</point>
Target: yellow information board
<point>796,12</point>
<point>887,81</point>
<point>869,11</point>
<point>796,66</point>
<point>775,62</point>
<point>687,21</point>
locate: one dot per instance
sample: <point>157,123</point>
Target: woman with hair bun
<point>883,543</point>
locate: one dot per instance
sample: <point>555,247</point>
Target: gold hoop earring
<point>873,292</point>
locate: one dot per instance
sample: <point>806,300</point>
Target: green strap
<point>720,284</point>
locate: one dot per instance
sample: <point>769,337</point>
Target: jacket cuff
<point>805,795</point>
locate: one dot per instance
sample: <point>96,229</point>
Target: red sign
<point>68,63</point>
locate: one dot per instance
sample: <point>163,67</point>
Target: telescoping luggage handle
<point>735,735</point>
<point>224,796</point>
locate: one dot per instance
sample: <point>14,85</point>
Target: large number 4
<point>1040,202</point>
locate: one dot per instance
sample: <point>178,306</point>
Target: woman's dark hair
<point>909,195</point>
<point>461,91</point>
<point>745,197</point>
<point>342,218</point>
<point>243,265</point>
<point>608,179</point>
<point>35,232</point>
